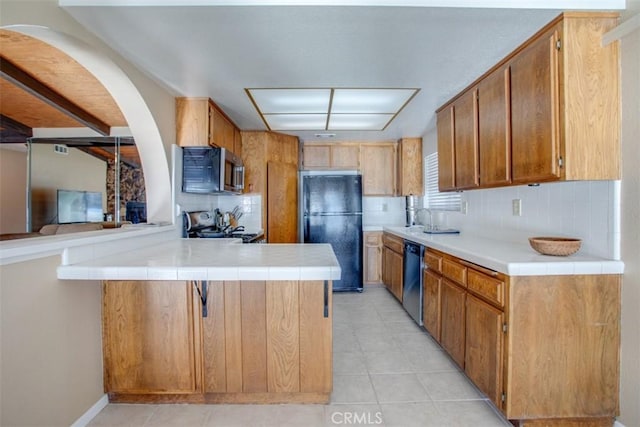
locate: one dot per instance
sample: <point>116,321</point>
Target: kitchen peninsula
<point>212,320</point>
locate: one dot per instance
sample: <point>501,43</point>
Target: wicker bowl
<point>557,246</point>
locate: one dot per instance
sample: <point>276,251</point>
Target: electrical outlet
<point>516,205</point>
<point>464,206</point>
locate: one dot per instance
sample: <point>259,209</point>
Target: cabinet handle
<point>479,268</point>
<point>326,298</point>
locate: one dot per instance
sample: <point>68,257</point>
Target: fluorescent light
<point>296,121</point>
<point>347,108</point>
<point>374,101</point>
<point>359,121</point>
<point>285,101</point>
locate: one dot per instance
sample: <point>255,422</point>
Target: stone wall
<point>132,186</point>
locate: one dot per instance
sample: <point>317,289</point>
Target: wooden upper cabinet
<point>192,122</point>
<point>378,167</point>
<point>446,151</point>
<point>331,156</point>
<point>534,111</point>
<point>494,128</point>
<point>410,174</point>
<point>223,130</point>
<point>465,114</point>
<point>199,122</point>
<point>559,93</point>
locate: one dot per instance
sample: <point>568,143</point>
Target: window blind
<point>448,201</point>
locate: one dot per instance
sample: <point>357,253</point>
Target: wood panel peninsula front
<point>203,321</point>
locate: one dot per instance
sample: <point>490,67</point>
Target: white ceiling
<point>218,51</point>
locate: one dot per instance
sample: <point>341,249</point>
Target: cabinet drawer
<point>491,288</point>
<point>433,261</point>
<point>394,243</point>
<point>454,271</point>
<point>373,238</point>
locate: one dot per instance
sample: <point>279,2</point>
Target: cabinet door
<point>465,113</point>
<point>192,122</point>
<point>387,266</point>
<point>149,337</point>
<point>237,142</point>
<point>452,328</point>
<point>316,156</point>
<point>410,173</point>
<point>222,131</point>
<point>535,134</point>
<point>345,156</point>
<point>396,275</point>
<point>494,128</point>
<point>372,257</point>
<point>446,150</point>
<point>378,167</point>
<point>432,283</point>
<point>282,203</point>
<point>484,343</point>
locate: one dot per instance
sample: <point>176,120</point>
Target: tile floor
<point>387,372</point>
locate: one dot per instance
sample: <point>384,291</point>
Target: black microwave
<point>211,170</point>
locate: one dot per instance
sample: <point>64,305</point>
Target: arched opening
<point>141,123</point>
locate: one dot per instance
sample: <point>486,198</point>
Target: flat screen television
<point>79,206</point>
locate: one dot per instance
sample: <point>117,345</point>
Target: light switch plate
<point>516,205</point>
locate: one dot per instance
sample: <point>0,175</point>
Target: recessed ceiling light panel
<point>296,121</point>
<point>359,121</point>
<point>291,101</point>
<point>329,108</point>
<point>373,101</point>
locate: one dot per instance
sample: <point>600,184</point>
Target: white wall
<point>13,196</point>
<point>383,211</point>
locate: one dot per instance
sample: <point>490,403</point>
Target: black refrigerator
<point>331,212</point>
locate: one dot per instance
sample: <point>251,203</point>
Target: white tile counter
<point>512,258</point>
<point>211,259</point>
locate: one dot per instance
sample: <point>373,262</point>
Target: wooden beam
<point>17,76</point>
<point>12,131</point>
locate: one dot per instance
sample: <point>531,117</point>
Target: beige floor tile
<point>376,343</point>
<point>449,386</point>
<point>243,415</point>
<point>421,414</point>
<point>345,341</point>
<point>403,327</point>
<point>430,361</point>
<point>180,415</point>
<point>300,416</point>
<point>387,362</point>
<point>398,388</point>
<point>417,341</point>
<point>393,314</point>
<point>476,413</point>
<point>352,389</point>
<point>349,363</point>
<point>123,415</point>
<point>353,414</point>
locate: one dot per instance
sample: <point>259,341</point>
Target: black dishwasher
<point>412,280</point>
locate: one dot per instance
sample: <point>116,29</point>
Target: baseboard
<point>93,411</point>
<point>618,424</point>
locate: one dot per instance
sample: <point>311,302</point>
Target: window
<point>434,199</point>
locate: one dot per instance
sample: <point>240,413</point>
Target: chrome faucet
<point>430,226</point>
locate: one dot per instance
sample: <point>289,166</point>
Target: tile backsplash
<point>383,211</point>
<point>589,210</point>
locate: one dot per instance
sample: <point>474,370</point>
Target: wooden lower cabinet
<point>392,264</point>
<point>432,285</point>
<point>452,327</point>
<point>544,349</point>
<point>483,347</point>
<point>260,342</point>
<point>372,258</point>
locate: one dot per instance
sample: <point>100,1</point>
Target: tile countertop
<point>511,258</point>
<point>211,259</point>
